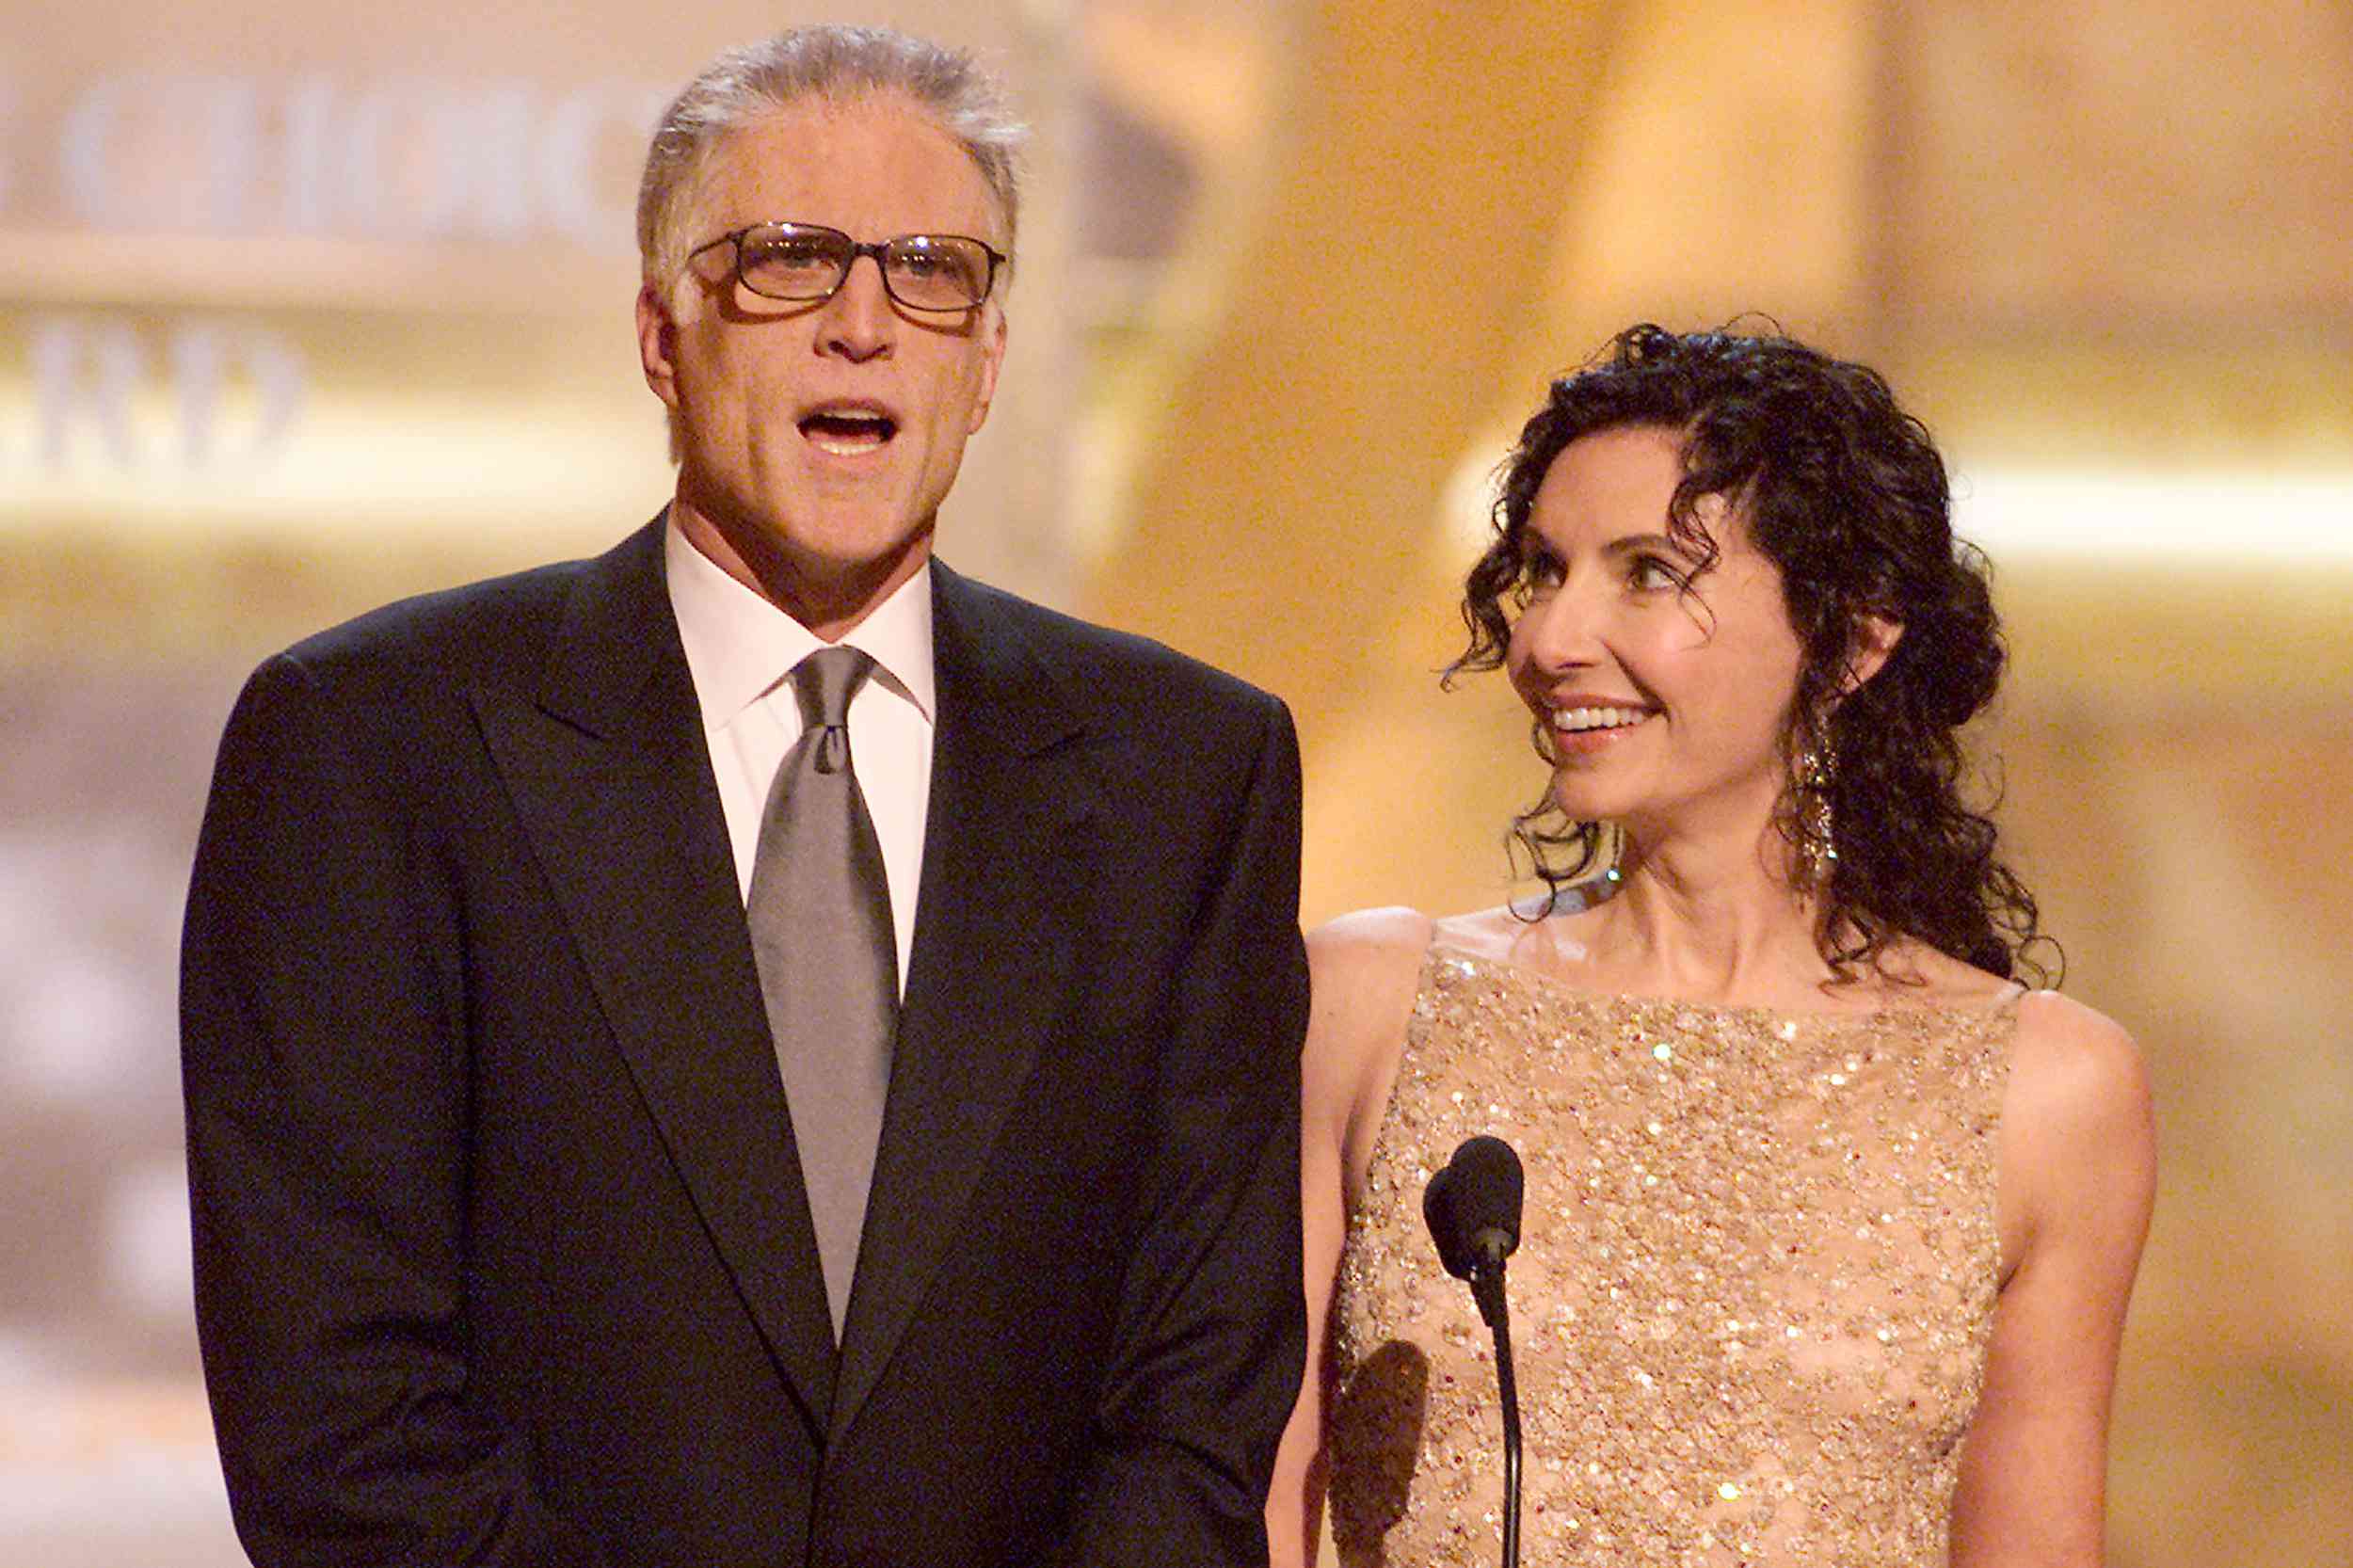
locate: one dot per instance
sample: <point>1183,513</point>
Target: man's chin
<point>830,595</point>
<point>886,552</point>
<point>831,584</point>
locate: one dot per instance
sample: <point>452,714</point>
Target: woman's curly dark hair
<point>1846,493</point>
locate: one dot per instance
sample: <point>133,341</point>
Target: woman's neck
<point>1713,917</point>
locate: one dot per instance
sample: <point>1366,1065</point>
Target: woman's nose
<point>1557,630</point>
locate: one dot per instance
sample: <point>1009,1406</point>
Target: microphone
<point>1473,1210</point>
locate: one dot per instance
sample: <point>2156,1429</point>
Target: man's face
<point>816,441</point>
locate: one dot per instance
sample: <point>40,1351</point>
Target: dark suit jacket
<point>502,1250</point>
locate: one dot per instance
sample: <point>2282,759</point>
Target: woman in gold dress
<point>1764,1052</point>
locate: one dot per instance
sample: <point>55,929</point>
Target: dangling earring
<point>1818,773</point>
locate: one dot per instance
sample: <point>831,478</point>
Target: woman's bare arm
<point>2077,1177</point>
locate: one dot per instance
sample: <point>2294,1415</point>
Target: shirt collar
<point>739,645</point>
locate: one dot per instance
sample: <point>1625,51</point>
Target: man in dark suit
<point>513,1241</point>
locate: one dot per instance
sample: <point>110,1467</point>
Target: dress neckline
<point>1439,950</point>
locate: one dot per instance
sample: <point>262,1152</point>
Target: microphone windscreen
<point>1477,1195</point>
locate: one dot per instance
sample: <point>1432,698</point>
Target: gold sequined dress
<point>1751,1301</point>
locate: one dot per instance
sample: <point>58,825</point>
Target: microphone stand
<point>1473,1210</point>
<point>1487,1290</point>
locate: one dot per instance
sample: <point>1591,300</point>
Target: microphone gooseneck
<point>1473,1210</point>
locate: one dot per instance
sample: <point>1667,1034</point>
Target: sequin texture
<point>1752,1299</point>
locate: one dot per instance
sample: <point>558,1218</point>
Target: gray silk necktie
<point>819,916</point>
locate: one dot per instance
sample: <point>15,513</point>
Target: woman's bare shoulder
<point>2074,1069</point>
<point>1363,967</point>
<point>1370,939</point>
<point>2079,1142</point>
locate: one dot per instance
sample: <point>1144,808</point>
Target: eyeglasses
<point>805,262</point>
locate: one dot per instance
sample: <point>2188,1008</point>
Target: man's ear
<point>657,343</point>
<point>1875,637</point>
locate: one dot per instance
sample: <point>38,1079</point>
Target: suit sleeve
<point>324,1065</point>
<point>1212,1336</point>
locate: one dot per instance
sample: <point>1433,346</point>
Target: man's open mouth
<point>849,431</point>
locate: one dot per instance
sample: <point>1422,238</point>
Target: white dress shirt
<point>740,650</point>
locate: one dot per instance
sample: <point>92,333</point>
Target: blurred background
<point>301,310</point>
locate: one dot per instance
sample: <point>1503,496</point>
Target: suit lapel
<point>609,773</point>
<point>991,962</point>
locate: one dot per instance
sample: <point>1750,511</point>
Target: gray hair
<point>832,62</point>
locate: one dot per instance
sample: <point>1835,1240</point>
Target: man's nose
<point>860,320</point>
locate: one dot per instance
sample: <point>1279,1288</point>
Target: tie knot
<point>825,681</point>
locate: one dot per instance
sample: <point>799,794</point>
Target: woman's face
<point>1663,693</point>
